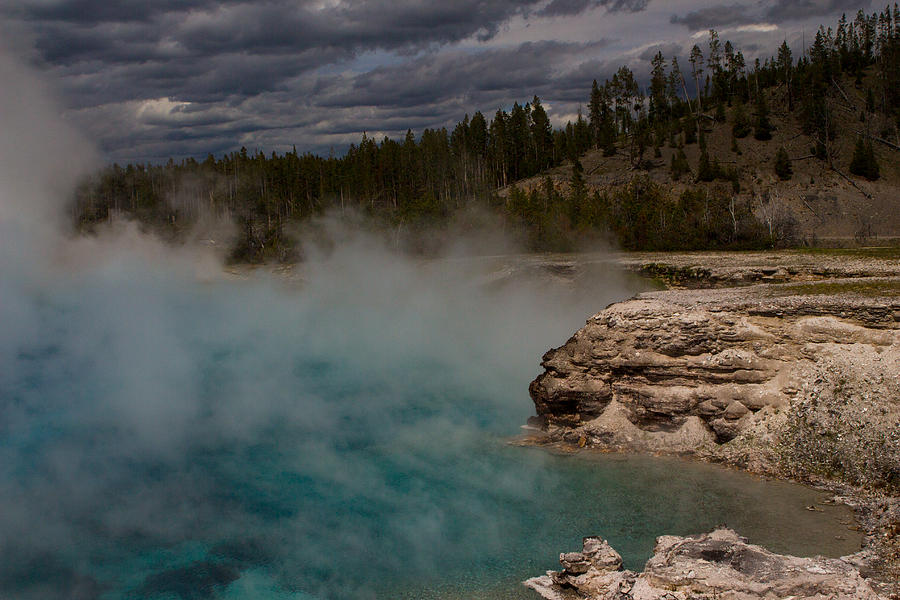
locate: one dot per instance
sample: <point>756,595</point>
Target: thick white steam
<point>41,155</point>
<point>126,363</point>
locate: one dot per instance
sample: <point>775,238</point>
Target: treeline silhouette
<point>420,182</point>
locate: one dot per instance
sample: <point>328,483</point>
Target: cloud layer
<point>190,77</point>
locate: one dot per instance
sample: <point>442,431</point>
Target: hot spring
<point>339,434</point>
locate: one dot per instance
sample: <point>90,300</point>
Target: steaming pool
<point>344,437</point>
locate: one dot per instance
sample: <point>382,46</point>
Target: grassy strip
<point>862,287</point>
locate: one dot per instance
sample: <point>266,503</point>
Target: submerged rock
<point>720,565</point>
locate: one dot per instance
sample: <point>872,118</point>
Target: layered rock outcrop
<point>687,371</point>
<point>720,565</point>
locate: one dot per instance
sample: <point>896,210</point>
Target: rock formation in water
<point>728,373</point>
<point>720,565</point>
<point>792,380</point>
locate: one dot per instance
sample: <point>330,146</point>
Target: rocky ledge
<point>727,269</point>
<point>712,371</point>
<point>720,565</point>
<point>795,381</point>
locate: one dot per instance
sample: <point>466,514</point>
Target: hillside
<point>830,205</point>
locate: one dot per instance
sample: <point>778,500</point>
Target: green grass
<point>674,275</point>
<point>884,252</point>
<point>860,288</point>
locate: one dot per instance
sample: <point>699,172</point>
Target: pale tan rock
<point>830,329</point>
<point>640,370</point>
<point>613,429</point>
<point>719,565</point>
<point>707,409</point>
<point>735,411</point>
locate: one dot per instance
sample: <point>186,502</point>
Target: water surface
<point>344,438</point>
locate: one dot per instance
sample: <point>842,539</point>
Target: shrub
<point>741,126</point>
<point>783,165</point>
<point>864,163</point>
<point>763,129</point>
<point>679,164</point>
<point>842,427</point>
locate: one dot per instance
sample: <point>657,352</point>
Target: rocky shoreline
<point>796,380</point>
<point>720,565</point>
<point>728,269</point>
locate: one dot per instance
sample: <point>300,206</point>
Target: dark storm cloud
<point>671,49</point>
<point>505,72</point>
<point>714,16</point>
<point>86,30</point>
<point>187,77</point>
<point>785,10</point>
<point>575,7</point>
<point>433,90</point>
<point>68,44</point>
<point>775,11</point>
<point>362,26</point>
<point>205,27</point>
<point>92,12</point>
<point>199,51</point>
<point>322,112</point>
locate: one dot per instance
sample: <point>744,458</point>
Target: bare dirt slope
<point>830,205</point>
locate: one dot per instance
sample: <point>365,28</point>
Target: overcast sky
<point>154,79</point>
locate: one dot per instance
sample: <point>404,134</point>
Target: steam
<point>171,430</point>
<point>35,142</point>
<point>150,403</point>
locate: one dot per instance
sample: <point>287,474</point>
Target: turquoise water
<point>341,437</point>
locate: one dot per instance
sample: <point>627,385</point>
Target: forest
<point>419,183</point>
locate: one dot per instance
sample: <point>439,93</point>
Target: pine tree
<point>679,165</point>
<point>549,193</point>
<point>720,112</point>
<point>783,165</point>
<point>608,141</point>
<point>517,202</point>
<point>601,120</point>
<point>785,65</point>
<point>582,132</point>
<point>690,130</point>
<point>478,135</point>
<point>658,105</point>
<point>696,60</point>
<point>741,127</point>
<point>595,113</point>
<point>864,163</point>
<point>577,192</point>
<point>541,135</point>
<point>705,169</point>
<point>518,127</point>
<point>763,128</point>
